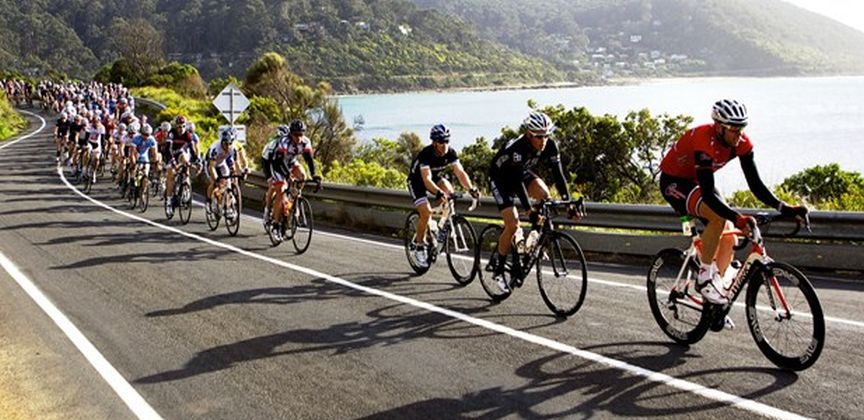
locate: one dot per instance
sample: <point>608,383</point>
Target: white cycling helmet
<point>729,111</point>
<point>539,123</point>
<point>165,126</point>
<point>134,127</point>
<point>146,130</point>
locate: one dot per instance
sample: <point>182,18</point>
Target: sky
<point>849,12</point>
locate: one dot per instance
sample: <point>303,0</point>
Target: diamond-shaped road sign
<point>231,102</point>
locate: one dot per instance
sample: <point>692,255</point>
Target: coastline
<point>621,81</point>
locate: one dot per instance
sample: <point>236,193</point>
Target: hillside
<point>379,44</point>
<point>668,37</point>
<point>387,45</point>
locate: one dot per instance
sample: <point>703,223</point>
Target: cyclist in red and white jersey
<point>687,183</point>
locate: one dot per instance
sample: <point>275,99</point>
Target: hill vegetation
<point>668,37</point>
<point>390,45</point>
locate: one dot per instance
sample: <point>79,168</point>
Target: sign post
<point>231,102</point>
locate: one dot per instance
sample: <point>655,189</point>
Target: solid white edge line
<point>115,380</point>
<point>11,142</point>
<point>703,391</point>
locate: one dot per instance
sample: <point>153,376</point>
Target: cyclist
<point>145,148</point>
<point>425,175</point>
<point>283,133</point>
<point>61,131</point>
<point>183,150</point>
<point>513,170</point>
<point>93,149</point>
<point>284,165</point>
<point>688,169</point>
<point>222,158</point>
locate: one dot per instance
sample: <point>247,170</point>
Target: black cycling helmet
<point>439,132</point>
<point>297,126</point>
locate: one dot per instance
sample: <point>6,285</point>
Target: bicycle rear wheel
<point>460,247</point>
<point>185,207</point>
<point>676,305</point>
<point>562,274</point>
<point>410,238</point>
<point>785,316</point>
<point>232,209</point>
<point>487,247</point>
<point>303,225</point>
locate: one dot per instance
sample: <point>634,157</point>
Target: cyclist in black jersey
<point>61,131</point>
<point>513,169</point>
<point>425,175</point>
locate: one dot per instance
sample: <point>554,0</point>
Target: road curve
<point>204,325</point>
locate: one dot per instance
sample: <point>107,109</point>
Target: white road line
<point>703,391</point>
<point>11,142</point>
<point>115,380</point>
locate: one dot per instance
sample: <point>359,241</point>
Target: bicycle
<point>453,235</point>
<point>139,193</point>
<point>776,292</point>
<point>229,204</point>
<point>562,274</point>
<point>296,223</point>
<point>182,195</point>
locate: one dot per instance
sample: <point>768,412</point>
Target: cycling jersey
<point>218,154</point>
<point>95,133</point>
<point>63,127</point>
<point>687,172</point>
<point>284,156</point>
<point>514,166</point>
<point>142,147</point>
<point>681,160</point>
<point>428,158</point>
<point>180,143</point>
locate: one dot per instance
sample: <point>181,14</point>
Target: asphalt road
<point>204,325</point>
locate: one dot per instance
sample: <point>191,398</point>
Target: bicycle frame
<point>731,288</point>
<point>450,212</point>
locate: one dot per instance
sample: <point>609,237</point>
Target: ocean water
<point>795,123</point>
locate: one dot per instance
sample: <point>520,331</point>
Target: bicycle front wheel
<point>232,212</point>
<point>185,208</point>
<point>487,253</point>
<point>785,316</point>
<point>143,196</point>
<point>673,298</point>
<point>562,274</point>
<point>461,251</point>
<point>302,225</point>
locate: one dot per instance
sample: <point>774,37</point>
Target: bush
<point>10,121</point>
<point>821,187</point>
<point>368,174</point>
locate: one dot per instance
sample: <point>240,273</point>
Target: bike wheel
<point>785,316</point>
<point>409,236</point>
<point>562,274</point>
<point>678,311</point>
<point>487,246</point>
<point>232,208</point>
<point>211,217</point>
<point>303,225</point>
<point>461,249</point>
<point>185,208</point>
<point>88,183</point>
<point>144,196</point>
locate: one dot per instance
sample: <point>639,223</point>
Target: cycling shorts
<point>683,194</point>
<point>417,189</point>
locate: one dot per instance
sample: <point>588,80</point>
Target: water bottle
<point>432,229</point>
<point>442,234</point>
<point>531,241</point>
<point>519,241</point>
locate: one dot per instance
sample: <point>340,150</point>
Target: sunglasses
<point>445,141</point>
<point>733,128</point>
<point>539,136</point>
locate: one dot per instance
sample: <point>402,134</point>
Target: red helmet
<point>180,121</point>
